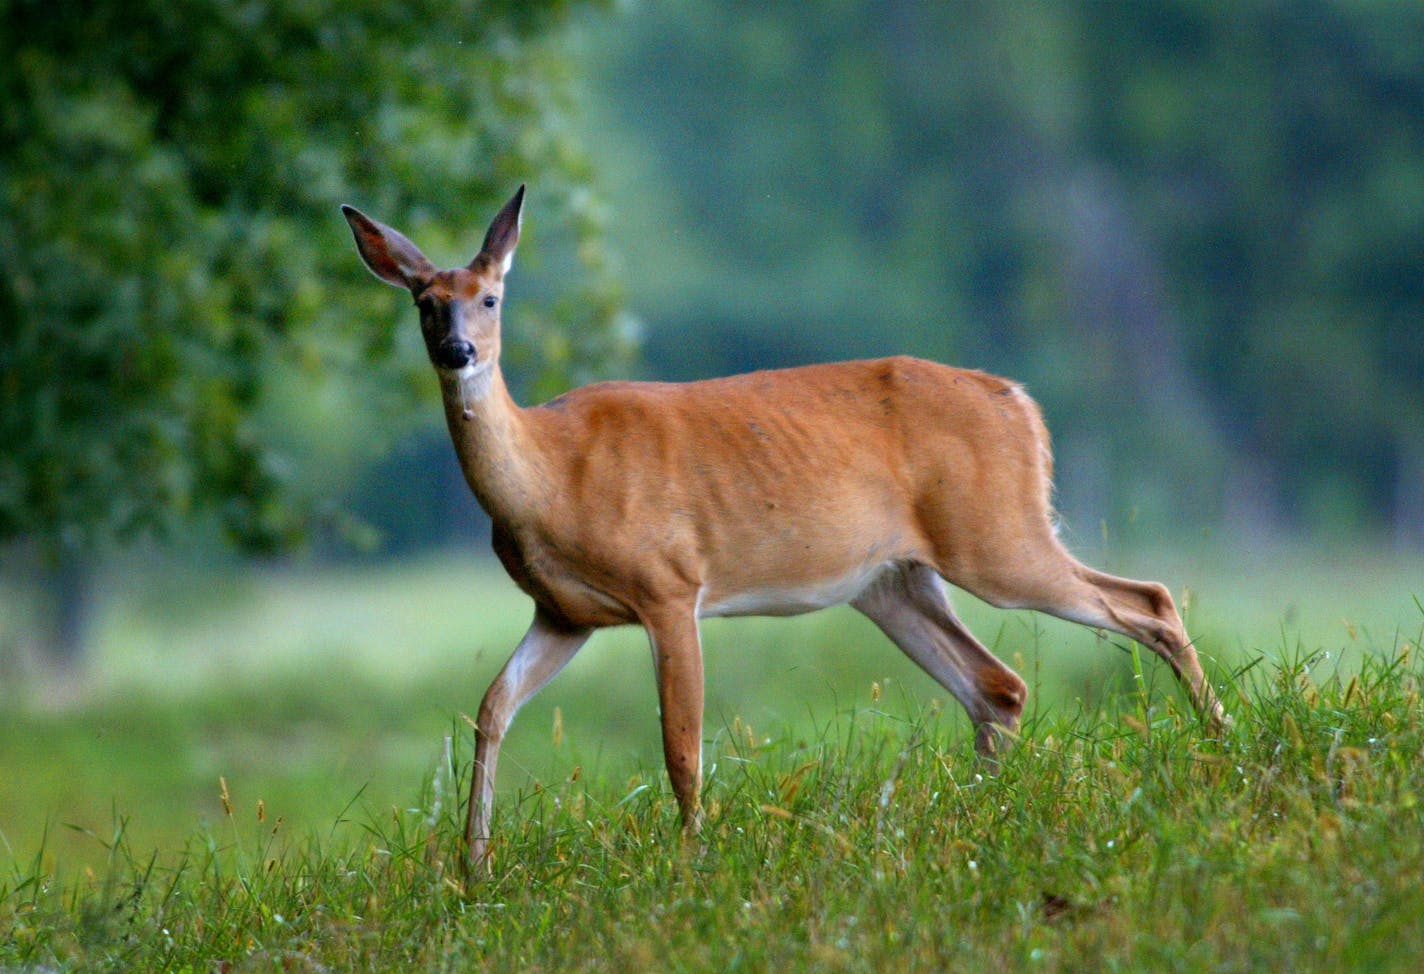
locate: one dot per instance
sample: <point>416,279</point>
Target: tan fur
<point>773,492</point>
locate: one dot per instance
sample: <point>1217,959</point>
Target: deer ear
<point>503,235</point>
<point>387,252</point>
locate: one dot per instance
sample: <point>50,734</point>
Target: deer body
<point>771,493</point>
<point>833,481</point>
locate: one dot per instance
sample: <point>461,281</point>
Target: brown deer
<point>772,493</point>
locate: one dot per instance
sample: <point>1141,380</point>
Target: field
<point>255,776</point>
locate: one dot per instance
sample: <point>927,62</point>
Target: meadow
<point>263,771</point>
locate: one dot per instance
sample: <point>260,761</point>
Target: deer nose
<point>454,354</point>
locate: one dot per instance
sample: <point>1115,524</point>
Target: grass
<point>1120,838</point>
<point>284,800</point>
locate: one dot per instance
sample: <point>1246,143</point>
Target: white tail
<point>772,493</point>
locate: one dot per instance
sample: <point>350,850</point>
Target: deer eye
<point>489,301</point>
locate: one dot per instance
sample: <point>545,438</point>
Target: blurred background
<point>233,538</point>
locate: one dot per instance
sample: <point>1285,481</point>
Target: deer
<point>772,493</point>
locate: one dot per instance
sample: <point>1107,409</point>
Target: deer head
<point>459,308</point>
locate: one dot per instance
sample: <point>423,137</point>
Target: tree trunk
<point>1409,494</point>
<point>68,583</point>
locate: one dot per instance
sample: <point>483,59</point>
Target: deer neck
<point>491,439</point>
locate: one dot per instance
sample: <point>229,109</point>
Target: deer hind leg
<point>911,607</point>
<point>1058,584</point>
<point>1144,611</point>
<point>540,655</point>
<point>677,662</point>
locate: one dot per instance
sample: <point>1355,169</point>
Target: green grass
<point>849,825</point>
<point>1114,839</point>
<point>307,689</point>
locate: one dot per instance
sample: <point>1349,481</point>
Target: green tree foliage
<point>1194,229</point>
<point>1274,153</point>
<point>173,256</point>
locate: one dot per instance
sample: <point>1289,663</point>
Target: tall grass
<point>1114,837</point>
<point>305,687</point>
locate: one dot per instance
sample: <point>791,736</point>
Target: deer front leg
<point>540,655</point>
<point>677,660</point>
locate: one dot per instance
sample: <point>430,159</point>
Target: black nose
<point>454,354</point>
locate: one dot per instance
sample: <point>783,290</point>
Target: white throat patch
<point>474,383</point>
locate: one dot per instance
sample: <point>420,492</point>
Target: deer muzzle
<point>454,354</point>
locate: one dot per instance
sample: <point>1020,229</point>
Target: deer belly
<point>790,599</point>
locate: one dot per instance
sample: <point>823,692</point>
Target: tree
<point>173,252</point>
